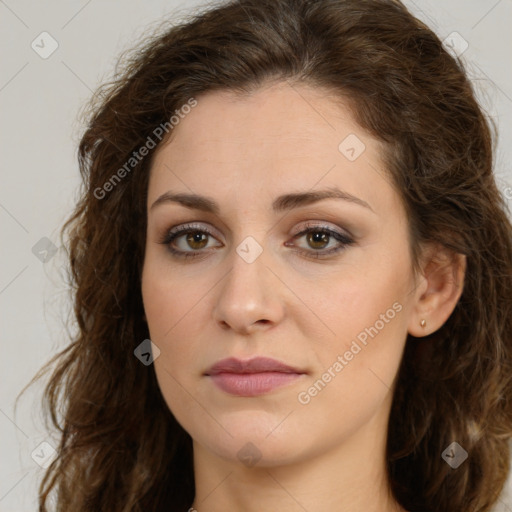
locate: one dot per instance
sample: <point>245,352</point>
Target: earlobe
<point>443,281</point>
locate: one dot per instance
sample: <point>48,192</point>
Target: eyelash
<point>171,235</point>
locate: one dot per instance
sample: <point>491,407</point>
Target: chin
<point>256,440</point>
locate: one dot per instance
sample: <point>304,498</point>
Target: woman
<point>294,201</point>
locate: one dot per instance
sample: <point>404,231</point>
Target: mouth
<point>253,377</point>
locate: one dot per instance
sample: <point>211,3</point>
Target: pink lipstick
<point>252,377</point>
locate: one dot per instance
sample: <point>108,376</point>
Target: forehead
<point>281,136</point>
<point>274,115</point>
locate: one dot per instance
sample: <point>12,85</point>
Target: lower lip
<point>252,384</point>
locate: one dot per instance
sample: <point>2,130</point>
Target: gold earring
<point>423,322</point>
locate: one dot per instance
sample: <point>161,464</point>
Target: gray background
<point>40,99</point>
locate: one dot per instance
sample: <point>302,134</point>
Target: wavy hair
<point>121,449</point>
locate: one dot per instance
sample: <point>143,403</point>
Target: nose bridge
<point>247,277</point>
<point>246,296</point>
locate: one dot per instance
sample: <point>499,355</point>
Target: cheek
<point>359,362</point>
<point>178,304</point>
<point>169,300</point>
<point>359,294</point>
<point>365,308</point>
<point>174,326</point>
<point>172,312</point>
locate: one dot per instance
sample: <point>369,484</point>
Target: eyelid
<point>169,235</point>
<point>191,226</point>
<point>320,224</point>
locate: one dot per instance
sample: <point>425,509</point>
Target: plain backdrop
<point>41,94</point>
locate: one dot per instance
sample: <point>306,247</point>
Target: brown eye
<point>197,239</point>
<point>320,242</point>
<point>190,241</point>
<point>318,239</point>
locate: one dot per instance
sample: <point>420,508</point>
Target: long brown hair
<point>121,448</point>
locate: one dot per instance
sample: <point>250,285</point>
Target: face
<point>274,231</point>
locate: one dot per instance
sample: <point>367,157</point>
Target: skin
<point>243,152</point>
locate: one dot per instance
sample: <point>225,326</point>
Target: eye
<point>193,240</point>
<point>188,240</point>
<point>321,241</point>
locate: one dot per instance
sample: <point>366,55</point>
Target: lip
<point>252,377</point>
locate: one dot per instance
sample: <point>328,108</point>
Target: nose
<point>250,297</point>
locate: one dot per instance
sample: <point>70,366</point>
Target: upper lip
<point>255,365</point>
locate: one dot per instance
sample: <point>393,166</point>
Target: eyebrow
<point>282,203</point>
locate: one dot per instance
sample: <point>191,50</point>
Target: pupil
<point>318,239</point>
<point>196,239</point>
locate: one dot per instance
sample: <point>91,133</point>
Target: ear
<point>438,290</point>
